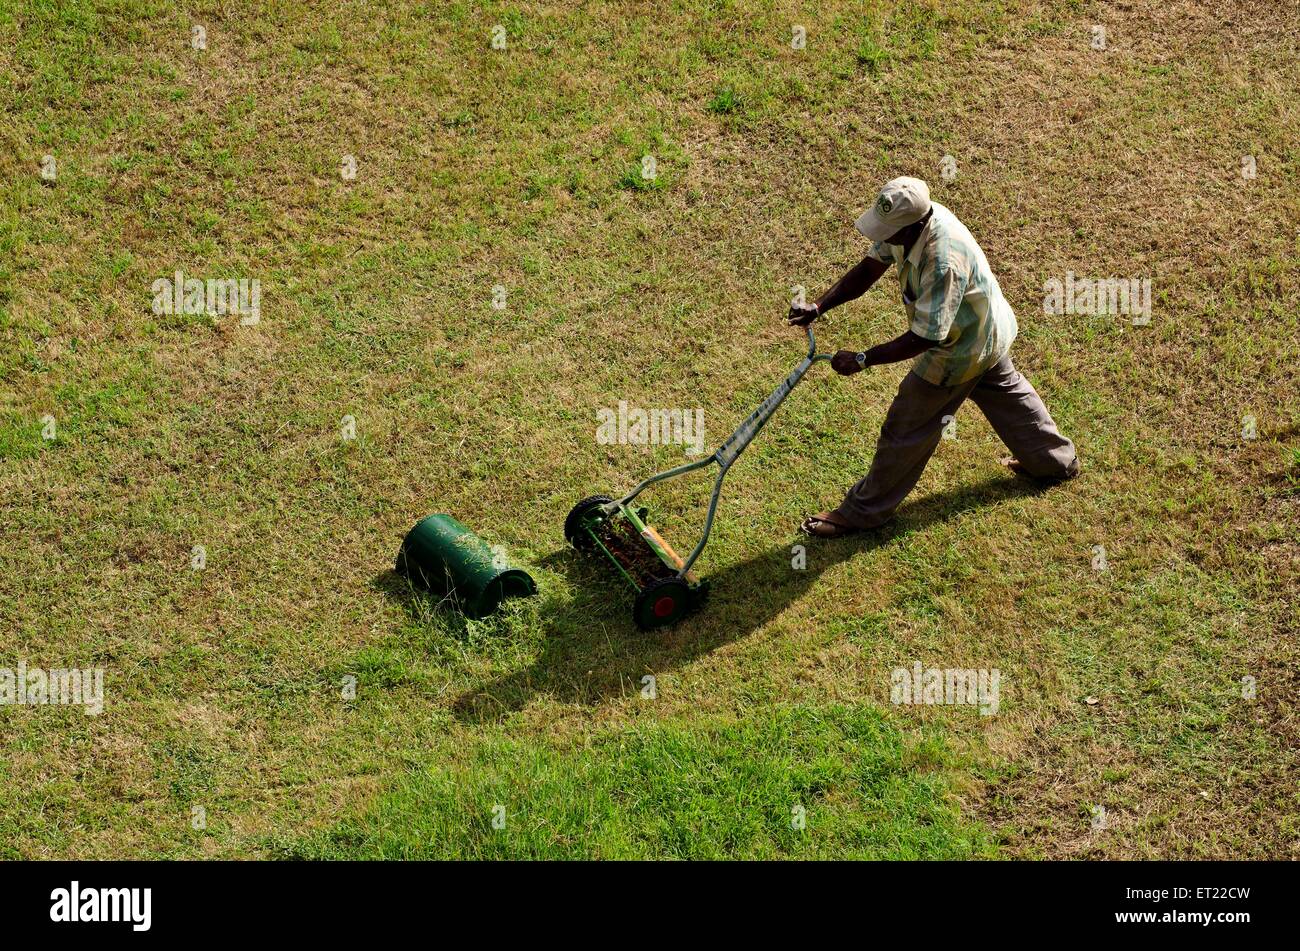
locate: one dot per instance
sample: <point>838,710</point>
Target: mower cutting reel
<point>664,594</point>
<point>667,589</point>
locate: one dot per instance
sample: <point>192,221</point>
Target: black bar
<point>931,901</point>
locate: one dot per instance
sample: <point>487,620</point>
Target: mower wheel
<point>662,602</point>
<point>579,516</point>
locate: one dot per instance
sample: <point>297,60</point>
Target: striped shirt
<point>951,297</point>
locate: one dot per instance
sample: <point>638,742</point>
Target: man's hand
<point>801,315</point>
<point>846,362</point>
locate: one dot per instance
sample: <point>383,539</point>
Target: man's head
<point>899,212</point>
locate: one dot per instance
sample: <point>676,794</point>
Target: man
<point>961,329</point>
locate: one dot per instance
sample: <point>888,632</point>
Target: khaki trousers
<point>914,425</point>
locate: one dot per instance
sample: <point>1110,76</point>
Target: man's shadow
<point>593,650</point>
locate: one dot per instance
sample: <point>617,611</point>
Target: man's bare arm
<point>856,282</point>
<point>902,347</point>
<point>853,284</point>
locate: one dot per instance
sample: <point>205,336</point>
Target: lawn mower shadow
<point>593,652</point>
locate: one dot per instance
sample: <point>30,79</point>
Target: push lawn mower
<point>667,589</point>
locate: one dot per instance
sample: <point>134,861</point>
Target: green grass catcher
<point>443,556</point>
<point>666,589</point>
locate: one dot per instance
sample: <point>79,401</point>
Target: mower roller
<point>666,588</point>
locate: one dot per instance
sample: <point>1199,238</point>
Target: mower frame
<point>725,455</point>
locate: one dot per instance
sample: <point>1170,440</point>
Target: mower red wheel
<point>661,603</point>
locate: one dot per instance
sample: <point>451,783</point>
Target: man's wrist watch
<point>861,357</point>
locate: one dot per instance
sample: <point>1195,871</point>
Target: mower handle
<point>729,450</point>
<point>813,355</point>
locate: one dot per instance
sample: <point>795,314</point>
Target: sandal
<point>1018,468</point>
<point>827,525</point>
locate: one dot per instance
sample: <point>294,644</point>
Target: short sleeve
<point>937,303</point>
<point>881,252</point>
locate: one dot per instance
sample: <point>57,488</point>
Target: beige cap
<point>901,202</point>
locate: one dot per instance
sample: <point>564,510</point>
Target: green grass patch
<point>791,782</point>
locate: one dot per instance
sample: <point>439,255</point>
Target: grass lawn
<point>501,267</point>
